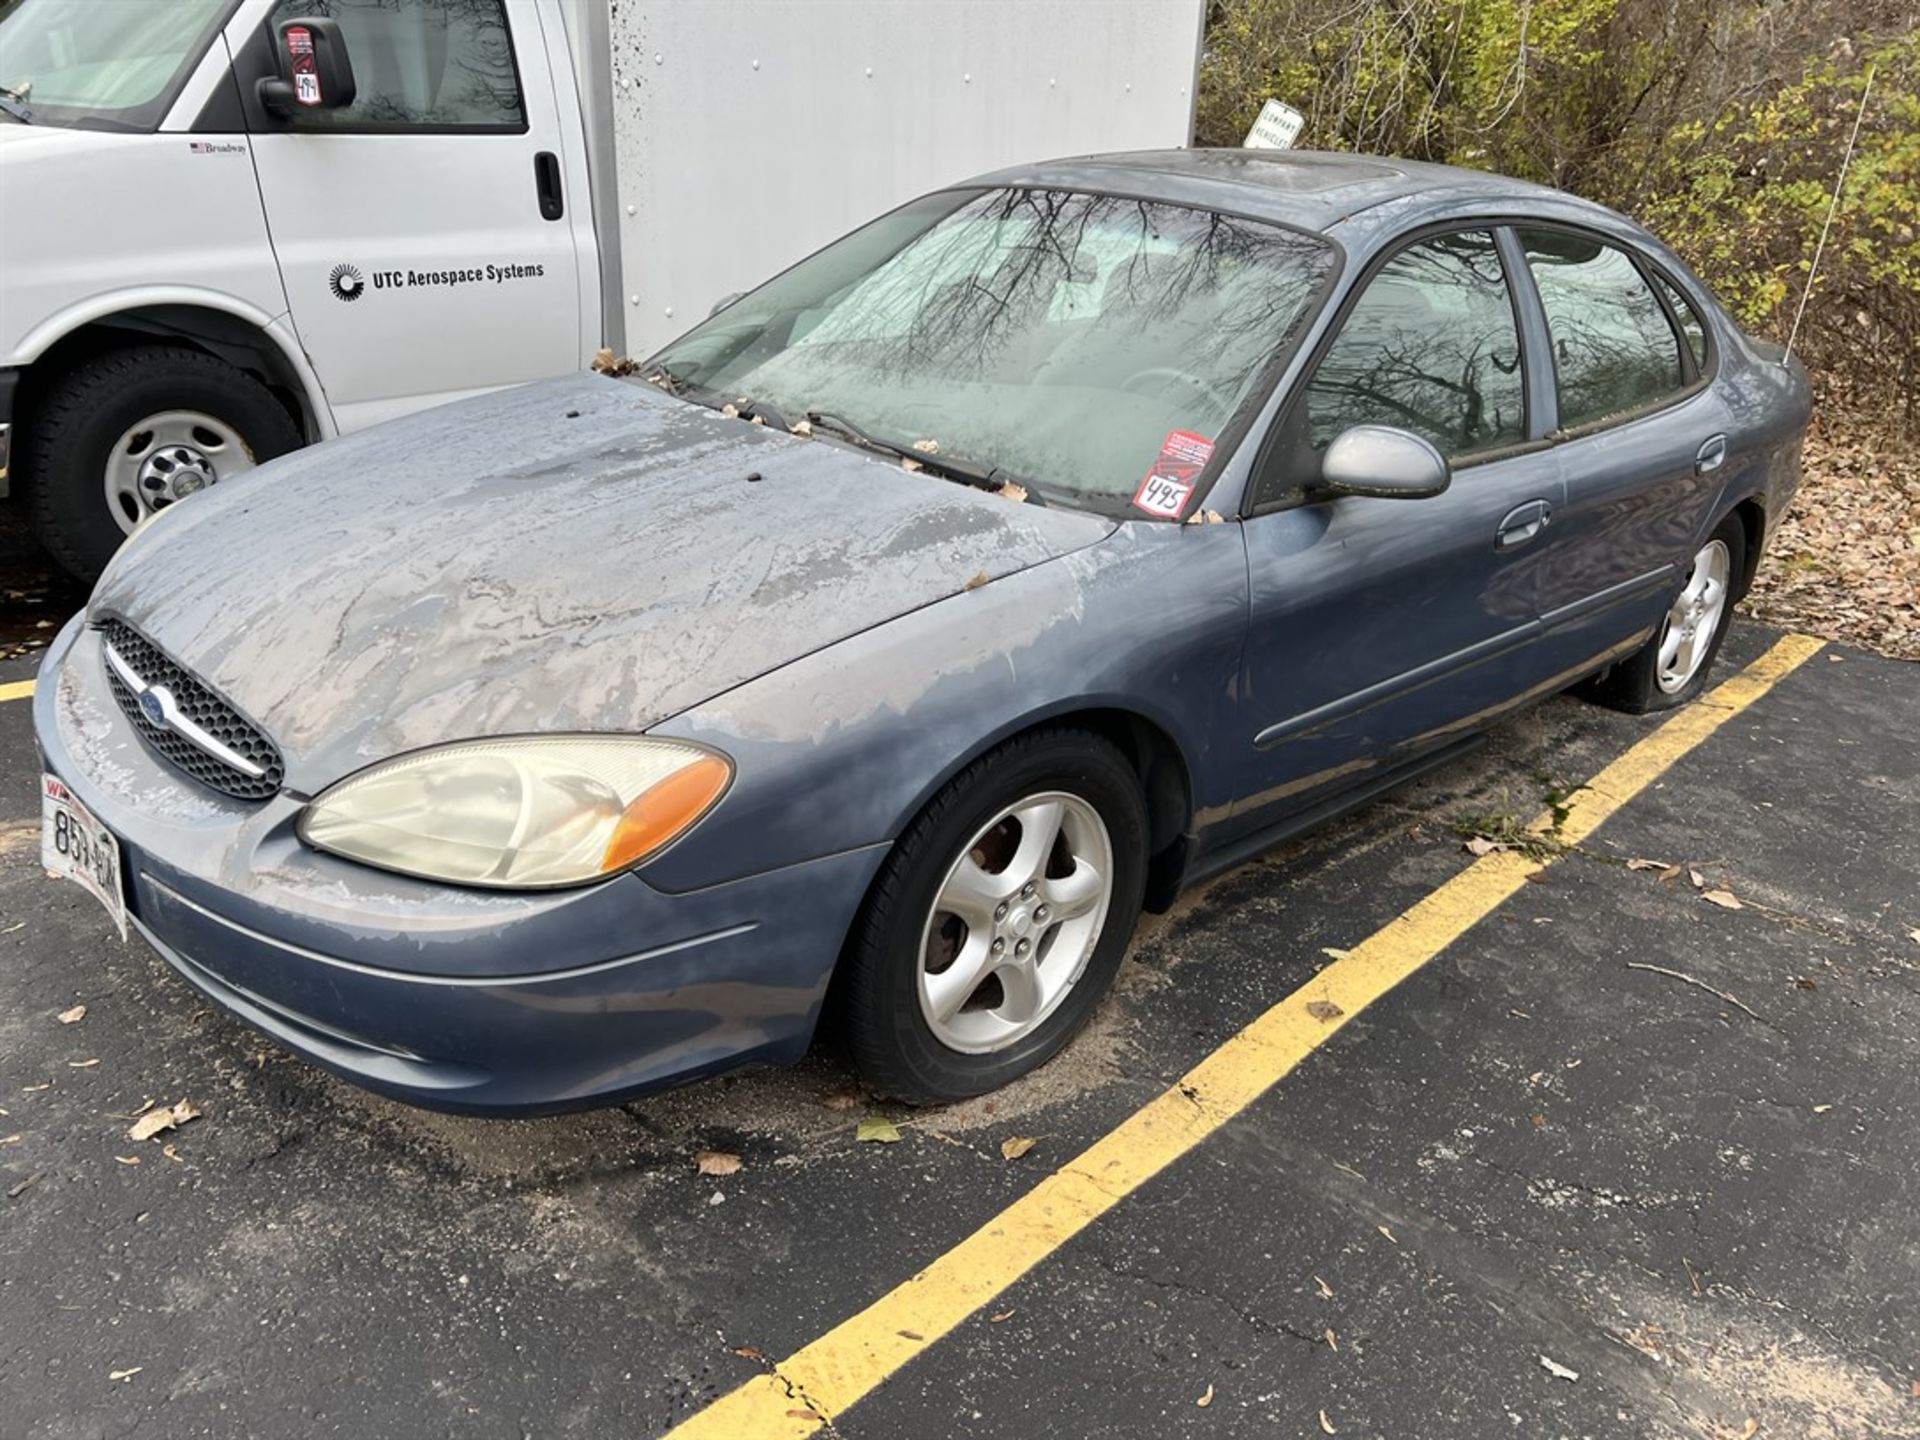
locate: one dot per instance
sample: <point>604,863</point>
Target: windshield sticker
<point>1169,484</point>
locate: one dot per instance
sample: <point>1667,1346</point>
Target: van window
<point>108,65</point>
<point>1613,347</point>
<point>431,64</point>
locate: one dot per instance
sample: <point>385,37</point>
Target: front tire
<point>996,925</point>
<point>1671,668</point>
<point>132,431</point>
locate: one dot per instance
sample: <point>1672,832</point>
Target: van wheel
<point>128,433</point>
<point>1671,668</point>
<point>997,923</point>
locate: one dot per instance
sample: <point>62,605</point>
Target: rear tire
<point>72,443</point>
<point>1044,954</point>
<point>1672,667</point>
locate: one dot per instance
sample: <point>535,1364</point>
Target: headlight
<point>519,814</point>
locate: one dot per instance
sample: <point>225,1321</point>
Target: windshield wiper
<point>14,102</point>
<point>982,477</point>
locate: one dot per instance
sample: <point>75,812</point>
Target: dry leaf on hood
<point>927,447</point>
<point>716,1162</point>
<point>1010,491</point>
<point>1014,1146</point>
<point>980,578</point>
<point>73,1016</point>
<point>909,464</point>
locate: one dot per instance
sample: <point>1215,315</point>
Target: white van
<point>232,227</point>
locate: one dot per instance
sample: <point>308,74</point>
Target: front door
<point>1380,629</point>
<point>416,229</point>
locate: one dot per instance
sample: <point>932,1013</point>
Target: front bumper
<point>463,1000</point>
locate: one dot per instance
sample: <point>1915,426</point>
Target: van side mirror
<point>1382,462</point>
<point>315,73</point>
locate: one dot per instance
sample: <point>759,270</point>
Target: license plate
<point>75,846</point>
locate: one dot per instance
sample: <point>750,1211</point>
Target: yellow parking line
<point>822,1379</point>
<point>16,690</point>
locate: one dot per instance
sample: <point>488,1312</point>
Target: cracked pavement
<point>1528,1151</point>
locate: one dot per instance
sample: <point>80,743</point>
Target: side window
<point>1431,347</point>
<point>437,64</point>
<point>1692,329</point>
<point>1613,348</point>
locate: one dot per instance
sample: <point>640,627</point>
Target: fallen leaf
<point>9,1139</point>
<point>36,1089</point>
<point>1324,1010</point>
<point>128,1159</point>
<point>1326,1290</point>
<point>748,1352</point>
<point>1010,491</point>
<point>1333,954</point>
<point>1481,845</point>
<point>878,1129</point>
<point>927,447</point>
<point>1014,1146</point>
<point>1659,865</point>
<point>1752,1427</point>
<point>1559,1372</point>
<point>1386,1232</point>
<point>910,1335</point>
<point>1539,1122</point>
<point>172,1154</point>
<point>1801,982</point>
<point>716,1162</point>
<point>909,464</point>
<point>730,410</point>
<point>82,1064</point>
<point>162,1118</point>
<point>21,1187</point>
<point>1001,1318</point>
<point>1821,1109</point>
<point>1332,1344</point>
<point>843,1100</point>
<point>1535,1077</point>
<point>1914,935</point>
<point>125,1374</point>
<point>73,1016</point>
<point>980,578</point>
<point>1206,1399</point>
<point>801,427</point>
<point>1698,880</point>
<point>1725,899</point>
<point>1326,1424</point>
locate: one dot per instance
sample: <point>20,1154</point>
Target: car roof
<point>1309,189</point>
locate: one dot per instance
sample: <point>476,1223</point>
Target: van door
<point>422,231</point>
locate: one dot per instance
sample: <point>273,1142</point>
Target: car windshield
<point>104,64</point>
<point>1069,342</point>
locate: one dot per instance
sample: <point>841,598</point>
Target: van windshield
<point>104,64</point>
<point>1073,343</point>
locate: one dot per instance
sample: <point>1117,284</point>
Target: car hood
<point>586,554</point>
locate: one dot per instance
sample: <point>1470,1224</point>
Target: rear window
<point>1614,349</point>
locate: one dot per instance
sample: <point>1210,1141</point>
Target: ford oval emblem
<point>151,707</point>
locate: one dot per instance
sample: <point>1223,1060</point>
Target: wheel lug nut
<point>1000,911</point>
<point>1023,947</point>
<point>999,946</point>
<point>1027,890</point>
<point>1040,914</point>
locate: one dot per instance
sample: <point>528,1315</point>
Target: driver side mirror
<point>315,73</point>
<point>1384,463</point>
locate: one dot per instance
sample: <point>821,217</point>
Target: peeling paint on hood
<point>582,555</point>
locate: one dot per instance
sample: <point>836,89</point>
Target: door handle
<point>546,183</point>
<point>1522,524</point>
<point>1711,456</point>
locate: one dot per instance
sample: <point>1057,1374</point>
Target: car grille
<point>198,707</point>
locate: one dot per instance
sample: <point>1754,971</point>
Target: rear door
<point>1641,436</point>
<point>424,255</point>
<point>1380,629</point>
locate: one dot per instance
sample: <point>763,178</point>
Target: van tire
<point>79,415</point>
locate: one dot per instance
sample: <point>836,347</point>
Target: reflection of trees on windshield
<point>1047,285</point>
<point>1612,344</point>
<point>1431,347</point>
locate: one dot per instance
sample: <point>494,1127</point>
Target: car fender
<point>842,748</point>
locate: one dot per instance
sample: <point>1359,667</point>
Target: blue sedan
<point>883,646</point>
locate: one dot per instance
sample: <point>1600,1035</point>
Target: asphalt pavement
<point>1620,1160</point>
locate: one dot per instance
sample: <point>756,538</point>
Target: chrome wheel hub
<point>164,458</point>
<point>1694,618</point>
<point>1015,922</point>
